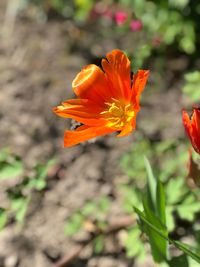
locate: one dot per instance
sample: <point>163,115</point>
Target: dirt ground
<point>38,62</point>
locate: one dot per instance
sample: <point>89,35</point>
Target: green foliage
<point>169,24</point>
<point>77,9</point>
<point>131,197</point>
<point>188,208</point>
<point>38,181</point>
<point>170,172</point>
<point>180,4</point>
<point>20,193</point>
<point>3,218</point>
<point>154,211</point>
<point>10,165</point>
<point>92,210</point>
<point>133,248</point>
<point>74,224</point>
<point>181,260</point>
<point>132,165</point>
<point>181,201</point>
<point>19,206</point>
<point>192,85</point>
<point>153,223</point>
<point>160,209</point>
<point>170,158</point>
<point>83,8</point>
<point>175,190</point>
<point>166,24</point>
<point>183,247</point>
<point>99,242</point>
<point>164,152</point>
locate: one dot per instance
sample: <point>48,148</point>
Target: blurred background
<point>53,199</point>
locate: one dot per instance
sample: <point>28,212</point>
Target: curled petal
<point>91,84</point>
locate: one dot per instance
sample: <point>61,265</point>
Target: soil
<point>38,62</point>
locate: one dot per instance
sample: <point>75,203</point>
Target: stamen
<point>118,114</point>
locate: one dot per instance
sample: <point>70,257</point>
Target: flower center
<point>118,114</point>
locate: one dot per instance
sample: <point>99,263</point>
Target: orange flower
<point>192,127</point>
<point>107,101</point>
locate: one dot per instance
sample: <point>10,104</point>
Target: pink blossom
<point>120,17</point>
<point>136,25</point>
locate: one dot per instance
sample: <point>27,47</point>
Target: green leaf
<point>162,231</point>
<point>175,190</point>
<point>99,244</point>
<point>133,244</point>
<point>42,169</point>
<point>131,197</point>
<point>103,204</point>
<point>20,215</point>
<point>160,199</point>
<point>89,208</point>
<point>186,249</point>
<point>151,185</point>
<point>170,218</point>
<point>154,210</point>
<point>39,182</point>
<point>183,247</point>
<point>158,244</point>
<point>74,224</point>
<point>192,82</point>
<point>188,208</point>
<point>192,263</point>
<point>192,77</point>
<point>20,206</point>
<point>3,218</point>
<point>11,169</point>
<point>4,154</point>
<point>179,261</point>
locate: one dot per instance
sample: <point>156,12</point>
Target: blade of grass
<point>151,185</point>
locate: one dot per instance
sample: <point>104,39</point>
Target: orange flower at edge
<point>107,100</point>
<point>192,127</point>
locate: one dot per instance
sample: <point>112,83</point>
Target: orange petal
<point>139,82</point>
<point>196,118</point>
<point>84,133</point>
<point>91,84</point>
<point>128,128</point>
<point>186,122</point>
<point>191,129</point>
<point>195,135</point>
<point>82,110</point>
<point>117,71</point>
<point>85,105</point>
